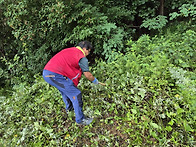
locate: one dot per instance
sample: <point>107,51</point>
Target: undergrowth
<point>148,100</point>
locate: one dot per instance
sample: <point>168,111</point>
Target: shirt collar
<point>80,49</point>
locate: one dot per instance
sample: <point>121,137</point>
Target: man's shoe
<point>86,121</point>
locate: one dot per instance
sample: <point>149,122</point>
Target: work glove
<point>95,81</point>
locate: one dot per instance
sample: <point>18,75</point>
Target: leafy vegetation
<point>32,28</point>
<point>149,100</point>
<point>149,97</point>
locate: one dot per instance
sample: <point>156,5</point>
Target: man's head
<point>86,46</point>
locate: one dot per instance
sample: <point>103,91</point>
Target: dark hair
<point>85,44</point>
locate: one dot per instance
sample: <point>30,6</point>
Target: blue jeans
<point>72,96</point>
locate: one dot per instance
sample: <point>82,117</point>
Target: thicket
<point>34,30</point>
<point>149,100</point>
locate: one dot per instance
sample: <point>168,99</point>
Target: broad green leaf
<point>154,125</point>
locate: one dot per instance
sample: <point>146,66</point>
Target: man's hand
<point>90,77</point>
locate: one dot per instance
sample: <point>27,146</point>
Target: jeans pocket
<point>56,82</point>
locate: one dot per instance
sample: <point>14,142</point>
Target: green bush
<point>186,11</point>
<point>156,23</point>
<point>50,26</point>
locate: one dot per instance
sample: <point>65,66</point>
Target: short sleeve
<point>83,63</point>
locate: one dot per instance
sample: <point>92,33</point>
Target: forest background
<point>143,50</point>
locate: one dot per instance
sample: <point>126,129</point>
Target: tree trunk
<point>161,10</point>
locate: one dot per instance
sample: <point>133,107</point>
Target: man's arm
<point>89,76</point>
<point>83,63</point>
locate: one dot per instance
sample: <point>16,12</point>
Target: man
<point>64,71</point>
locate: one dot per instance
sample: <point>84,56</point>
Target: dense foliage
<point>145,53</point>
<point>149,100</point>
<point>34,30</point>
